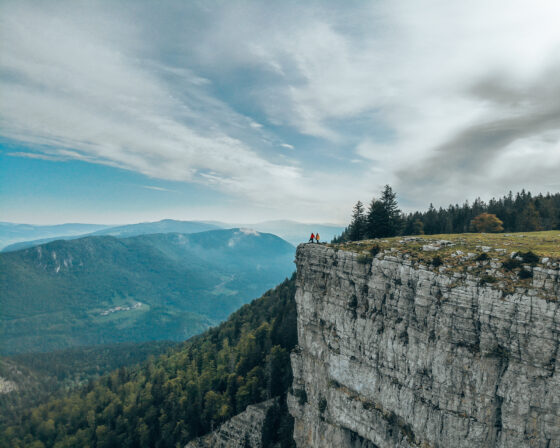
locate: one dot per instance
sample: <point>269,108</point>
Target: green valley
<point>99,290</point>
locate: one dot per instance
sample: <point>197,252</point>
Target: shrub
<point>524,273</point>
<point>511,264</point>
<point>499,352</point>
<point>375,250</point>
<point>529,257</point>
<point>437,261</point>
<point>322,405</point>
<point>482,257</point>
<point>301,396</point>
<point>487,279</point>
<point>364,259</point>
<point>487,223</point>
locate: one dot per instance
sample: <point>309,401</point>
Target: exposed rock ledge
<point>242,431</point>
<point>7,386</point>
<point>395,356</point>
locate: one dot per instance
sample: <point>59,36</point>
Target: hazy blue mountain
<point>292,231</point>
<point>11,233</point>
<point>164,226</point>
<point>102,289</point>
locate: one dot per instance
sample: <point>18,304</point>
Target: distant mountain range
<point>297,232</point>
<point>103,289</point>
<point>72,231</point>
<point>21,236</point>
<point>12,233</point>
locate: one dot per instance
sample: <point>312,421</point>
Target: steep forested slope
<point>181,395</point>
<point>40,376</point>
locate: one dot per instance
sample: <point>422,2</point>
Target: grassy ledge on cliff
<point>504,259</point>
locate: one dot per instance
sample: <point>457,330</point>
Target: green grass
<point>544,244</point>
<point>484,255</point>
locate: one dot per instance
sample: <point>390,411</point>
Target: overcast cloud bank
<point>303,108</point>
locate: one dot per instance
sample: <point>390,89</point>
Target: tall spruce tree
<point>389,201</point>
<point>357,228</point>
<point>378,222</point>
<point>384,217</point>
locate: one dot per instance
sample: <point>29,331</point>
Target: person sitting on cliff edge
<point>312,238</point>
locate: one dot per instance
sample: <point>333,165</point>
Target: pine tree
<point>357,228</point>
<point>530,219</point>
<point>417,227</point>
<point>378,221</point>
<point>389,201</point>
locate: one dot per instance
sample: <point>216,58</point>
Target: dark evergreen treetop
<point>357,227</point>
<point>522,212</point>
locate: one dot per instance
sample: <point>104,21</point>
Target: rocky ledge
<point>243,430</point>
<point>393,353</point>
<point>7,386</point>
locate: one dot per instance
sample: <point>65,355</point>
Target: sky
<point>245,111</point>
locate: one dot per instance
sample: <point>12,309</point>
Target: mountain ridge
<point>142,228</point>
<point>102,289</point>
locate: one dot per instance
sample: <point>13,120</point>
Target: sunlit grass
<point>544,244</point>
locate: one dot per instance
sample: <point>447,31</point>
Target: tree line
<point>522,212</point>
<point>181,395</point>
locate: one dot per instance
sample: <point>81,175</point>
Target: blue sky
<point>115,112</point>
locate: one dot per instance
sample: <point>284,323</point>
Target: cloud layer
<point>300,107</point>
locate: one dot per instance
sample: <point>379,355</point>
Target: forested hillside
<point>167,401</point>
<point>522,212</point>
<point>100,290</point>
<point>40,376</point>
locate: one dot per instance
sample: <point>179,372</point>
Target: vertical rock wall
<point>242,431</point>
<point>395,356</point>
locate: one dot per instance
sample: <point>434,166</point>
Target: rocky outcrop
<point>7,386</point>
<point>242,431</point>
<point>396,355</point>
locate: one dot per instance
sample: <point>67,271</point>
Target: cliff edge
<point>394,352</point>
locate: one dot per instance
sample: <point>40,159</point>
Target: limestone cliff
<point>399,354</point>
<point>242,431</point>
<point>7,386</point>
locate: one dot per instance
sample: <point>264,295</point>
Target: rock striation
<point>242,431</point>
<point>393,354</point>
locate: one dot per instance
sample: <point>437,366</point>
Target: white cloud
<point>155,188</point>
<point>407,93</point>
<point>413,71</point>
<point>33,155</point>
<point>79,93</point>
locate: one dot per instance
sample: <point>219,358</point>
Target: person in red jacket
<point>312,238</point>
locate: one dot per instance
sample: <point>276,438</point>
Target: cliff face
<point>393,355</point>
<point>243,430</point>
